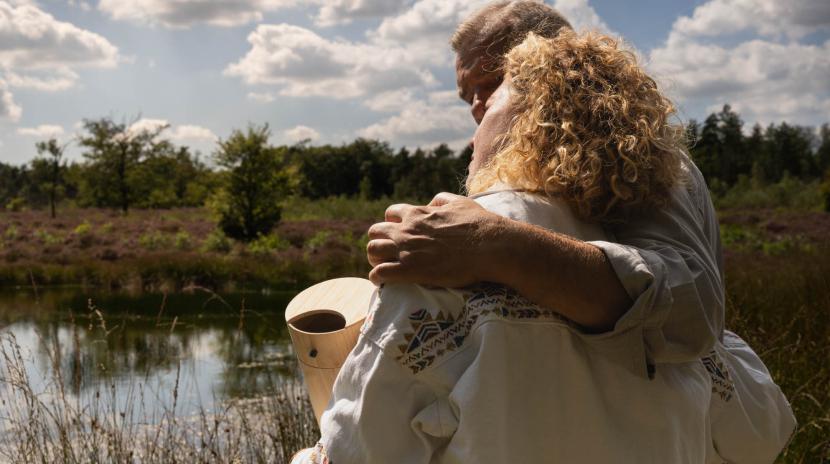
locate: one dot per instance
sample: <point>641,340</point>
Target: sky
<point>334,70</point>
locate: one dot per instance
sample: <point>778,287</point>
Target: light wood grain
<point>321,355</point>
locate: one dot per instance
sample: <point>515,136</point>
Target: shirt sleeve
<point>381,411</point>
<point>670,263</point>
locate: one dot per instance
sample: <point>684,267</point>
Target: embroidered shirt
<point>483,375</point>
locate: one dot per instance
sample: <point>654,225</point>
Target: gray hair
<point>499,26</point>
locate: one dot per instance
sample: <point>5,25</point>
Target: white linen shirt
<point>670,261</point>
<point>482,375</point>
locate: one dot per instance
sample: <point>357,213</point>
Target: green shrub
<point>154,240</point>
<point>265,244</point>
<point>106,228</point>
<point>217,242</point>
<point>790,192</point>
<point>182,241</point>
<point>318,240</point>
<point>16,204</point>
<point>83,228</point>
<point>11,232</point>
<point>46,238</point>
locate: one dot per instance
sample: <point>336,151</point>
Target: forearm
<point>570,276</point>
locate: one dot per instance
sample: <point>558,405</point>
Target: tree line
<point>123,168</point>
<point>724,154</point>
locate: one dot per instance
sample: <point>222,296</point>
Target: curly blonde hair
<point>589,126</point>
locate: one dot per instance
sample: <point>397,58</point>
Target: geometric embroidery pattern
<point>722,384</point>
<point>432,336</point>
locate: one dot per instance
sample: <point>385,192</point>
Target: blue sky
<point>332,70</point>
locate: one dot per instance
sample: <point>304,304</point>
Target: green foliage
<point>254,184</point>
<point>723,153</point>
<point>369,169</point>
<point>217,242</point>
<point>113,152</point>
<point>318,240</point>
<point>265,244</point>
<point>47,171</point>
<point>83,228</point>
<point>182,241</point>
<point>16,204</point>
<point>789,192</point>
<point>47,238</point>
<point>298,208</point>
<point>154,240</point>
<point>10,233</point>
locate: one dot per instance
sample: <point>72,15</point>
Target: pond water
<point>187,352</point>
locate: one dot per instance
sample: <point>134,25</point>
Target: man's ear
<point>443,198</point>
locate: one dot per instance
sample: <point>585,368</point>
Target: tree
<point>733,157</point>
<point>48,170</point>
<point>823,153</point>
<point>255,183</point>
<point>790,150</point>
<point>707,149</point>
<point>114,151</point>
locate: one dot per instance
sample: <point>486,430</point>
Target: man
<point>662,276</point>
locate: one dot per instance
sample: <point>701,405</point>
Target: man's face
<point>477,77</point>
<point>494,124</point>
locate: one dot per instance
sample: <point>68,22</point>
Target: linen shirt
<point>483,375</point>
<point>670,261</point>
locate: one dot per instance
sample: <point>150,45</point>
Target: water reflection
<point>208,349</point>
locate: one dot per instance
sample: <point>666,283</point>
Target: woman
<point>483,375</point>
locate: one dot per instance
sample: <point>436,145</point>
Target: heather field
<point>168,250</point>
<point>778,298</point>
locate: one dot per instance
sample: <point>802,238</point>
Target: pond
<point>183,352</point>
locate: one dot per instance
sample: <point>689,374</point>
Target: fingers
<point>381,251</point>
<point>443,198</point>
<point>395,212</point>
<point>389,273</point>
<point>381,230</point>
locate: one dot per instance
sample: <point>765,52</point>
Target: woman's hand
<point>441,244</point>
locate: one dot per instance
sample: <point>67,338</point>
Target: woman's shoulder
<point>540,210</point>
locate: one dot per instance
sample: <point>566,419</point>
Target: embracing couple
<point>570,309</point>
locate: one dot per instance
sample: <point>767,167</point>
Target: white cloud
<point>189,132</point>
<point>42,131</point>
<point>425,28</point>
<point>146,125</point>
<point>764,79</point>
<point>304,64</point>
<point>344,11</point>
<point>300,133</point>
<point>391,101</point>
<point>261,97</point>
<point>771,18</point>
<point>32,39</point>
<point>439,118</point>
<point>49,81</point>
<point>8,108</point>
<point>186,13</point>
<point>181,133</point>
<point>581,15</point>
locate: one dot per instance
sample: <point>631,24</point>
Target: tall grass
<point>55,422</point>
<point>780,303</point>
